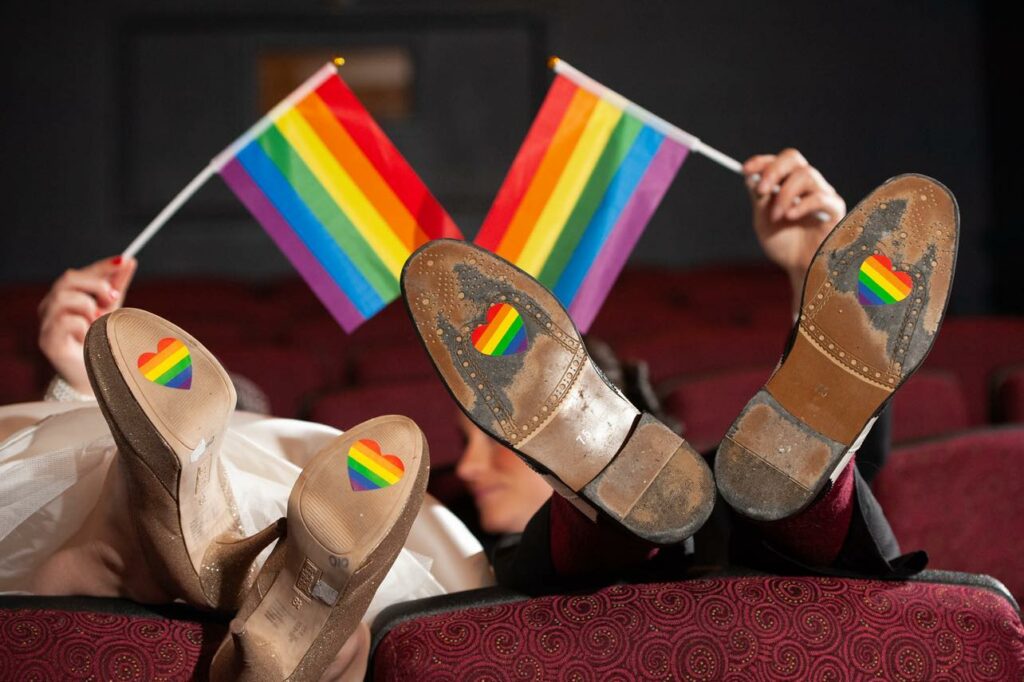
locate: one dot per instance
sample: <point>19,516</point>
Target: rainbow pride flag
<point>335,195</point>
<point>580,192</point>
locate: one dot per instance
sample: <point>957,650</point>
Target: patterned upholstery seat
<point>943,626</point>
<point>81,638</point>
<point>733,628</point>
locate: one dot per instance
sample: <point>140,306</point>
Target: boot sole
<point>524,376</point>
<point>856,341</point>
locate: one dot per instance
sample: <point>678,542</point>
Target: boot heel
<point>655,482</point>
<point>348,516</point>
<point>769,462</point>
<point>228,564</point>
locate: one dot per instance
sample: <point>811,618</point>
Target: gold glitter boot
<point>348,517</point>
<point>167,401</point>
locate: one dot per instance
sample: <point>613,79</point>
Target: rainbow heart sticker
<point>170,365</point>
<point>879,284</point>
<point>368,469</point>
<point>503,334</point>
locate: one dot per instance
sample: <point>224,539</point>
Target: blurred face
<point>506,491</point>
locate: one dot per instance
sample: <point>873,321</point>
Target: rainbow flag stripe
<point>580,192</point>
<point>504,333</point>
<point>170,366</point>
<point>368,469</point>
<point>335,195</point>
<point>879,285</point>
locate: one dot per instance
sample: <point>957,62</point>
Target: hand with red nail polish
<point>788,200</point>
<point>77,299</point>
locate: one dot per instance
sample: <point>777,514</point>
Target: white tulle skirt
<point>54,459</point>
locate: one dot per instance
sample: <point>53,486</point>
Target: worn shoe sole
<point>873,301</point>
<point>515,363</point>
<point>167,402</point>
<point>348,517</point>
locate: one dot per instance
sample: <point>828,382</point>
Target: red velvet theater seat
<point>321,338</point>
<point>43,639</point>
<point>390,325</point>
<point>288,376</point>
<point>19,381</point>
<point>379,363</point>
<point>931,403</point>
<point>190,300</point>
<point>961,498</point>
<point>708,405</point>
<point>425,402</point>
<point>975,348</point>
<point>732,628</point>
<point>1010,395</point>
<point>943,627</point>
<point>700,349</point>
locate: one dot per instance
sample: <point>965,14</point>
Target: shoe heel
<point>344,530</point>
<point>657,486</point>
<point>769,464</point>
<point>228,564</point>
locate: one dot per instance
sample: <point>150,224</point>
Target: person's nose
<point>474,461</point>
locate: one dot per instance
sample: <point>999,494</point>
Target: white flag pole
<point>670,131</point>
<point>169,210</point>
<point>225,156</point>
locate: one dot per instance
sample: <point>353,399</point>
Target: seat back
<point>753,627</point>
<point>961,498</point>
<point>1009,392</point>
<point>425,402</point>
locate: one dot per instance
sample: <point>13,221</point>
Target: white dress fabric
<point>54,461</point>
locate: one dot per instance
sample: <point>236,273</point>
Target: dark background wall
<point>110,108</point>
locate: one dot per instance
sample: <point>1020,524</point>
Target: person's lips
<point>485,491</point>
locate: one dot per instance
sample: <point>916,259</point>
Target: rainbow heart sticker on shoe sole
<point>879,284</point>
<point>368,469</point>
<point>503,334</point>
<point>170,365</point>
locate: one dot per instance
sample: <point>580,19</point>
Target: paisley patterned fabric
<point>43,644</point>
<point>751,628</point>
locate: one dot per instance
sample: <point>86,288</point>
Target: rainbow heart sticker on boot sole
<point>368,469</point>
<point>170,365</point>
<point>879,284</point>
<point>503,334</point>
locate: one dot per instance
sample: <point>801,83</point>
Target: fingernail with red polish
<point>116,260</point>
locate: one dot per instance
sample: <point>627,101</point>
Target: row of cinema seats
<point>710,337</point>
<point>938,626</point>
<point>954,485</point>
<point>708,328</point>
